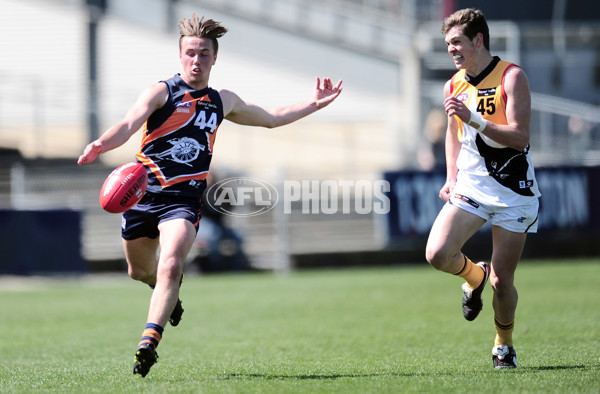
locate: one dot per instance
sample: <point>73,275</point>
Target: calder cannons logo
<point>242,196</point>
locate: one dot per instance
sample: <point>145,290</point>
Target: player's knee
<point>502,285</point>
<point>436,257</point>
<point>171,268</point>
<point>140,274</point>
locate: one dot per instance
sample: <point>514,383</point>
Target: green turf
<point>383,330</point>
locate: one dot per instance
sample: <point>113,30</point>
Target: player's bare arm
<point>149,101</point>
<point>518,112</point>
<point>239,111</point>
<point>452,148</point>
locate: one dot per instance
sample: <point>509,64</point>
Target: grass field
<point>383,330</point>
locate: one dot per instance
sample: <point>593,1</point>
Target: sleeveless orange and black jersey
<point>481,159</point>
<point>178,140</point>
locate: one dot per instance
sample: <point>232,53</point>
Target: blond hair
<point>201,28</point>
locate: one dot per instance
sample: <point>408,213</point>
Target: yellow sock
<point>504,333</point>
<point>471,272</point>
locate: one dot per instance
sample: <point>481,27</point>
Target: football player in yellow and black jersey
<point>179,118</point>
<point>489,177</point>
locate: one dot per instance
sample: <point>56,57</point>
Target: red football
<point>124,188</point>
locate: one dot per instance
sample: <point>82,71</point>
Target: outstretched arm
<point>241,112</point>
<point>149,101</point>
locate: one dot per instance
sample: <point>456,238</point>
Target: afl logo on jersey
<point>463,97</point>
<point>183,106</point>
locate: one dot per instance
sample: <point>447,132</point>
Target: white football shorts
<point>518,219</point>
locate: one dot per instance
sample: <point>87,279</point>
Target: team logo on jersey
<point>463,97</point>
<point>183,150</point>
<point>486,92</point>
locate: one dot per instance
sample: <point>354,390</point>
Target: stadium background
<point>71,68</point>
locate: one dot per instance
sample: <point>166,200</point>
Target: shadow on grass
<point>233,376</point>
<point>314,376</point>
<point>555,367</point>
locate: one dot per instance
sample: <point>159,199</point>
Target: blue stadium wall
<point>569,219</point>
<point>40,242</point>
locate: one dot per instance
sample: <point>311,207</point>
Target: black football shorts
<point>143,219</point>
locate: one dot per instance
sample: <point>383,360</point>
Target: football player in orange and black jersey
<point>180,119</point>
<point>490,176</point>
<point>178,139</point>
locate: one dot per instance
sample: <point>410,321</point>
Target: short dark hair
<point>472,22</point>
<point>201,28</point>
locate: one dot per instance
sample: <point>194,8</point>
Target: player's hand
<point>90,153</point>
<point>326,94</point>
<point>446,191</point>
<point>454,106</point>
